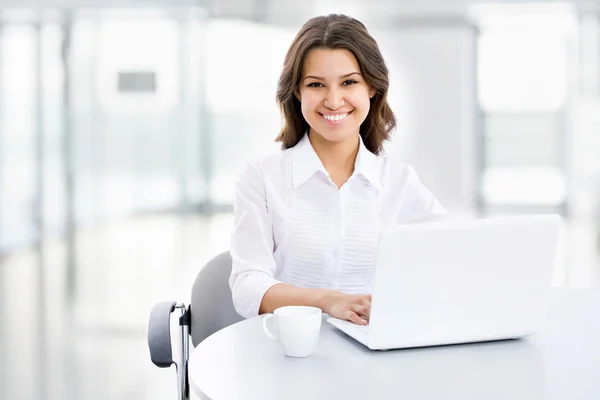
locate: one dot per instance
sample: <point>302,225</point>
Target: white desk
<point>562,362</point>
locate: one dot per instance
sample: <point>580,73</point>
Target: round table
<point>560,362</point>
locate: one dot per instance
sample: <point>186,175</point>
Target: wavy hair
<point>334,32</point>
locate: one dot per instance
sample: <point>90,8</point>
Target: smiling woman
<point>333,68</point>
<point>307,220</point>
<point>336,104</point>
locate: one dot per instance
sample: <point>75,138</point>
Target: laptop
<point>453,282</point>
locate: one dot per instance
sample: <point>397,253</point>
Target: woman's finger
<point>353,317</point>
<point>363,311</point>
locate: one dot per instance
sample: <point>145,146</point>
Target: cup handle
<point>265,320</point>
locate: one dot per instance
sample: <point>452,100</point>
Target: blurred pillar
<point>180,155</point>
<point>68,160</point>
<point>3,366</point>
<point>1,145</point>
<point>205,134</point>
<point>38,213</point>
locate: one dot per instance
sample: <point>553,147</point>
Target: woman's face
<point>335,97</point>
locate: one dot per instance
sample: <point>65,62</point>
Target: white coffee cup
<point>297,329</point>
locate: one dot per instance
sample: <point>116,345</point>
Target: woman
<point>307,219</point>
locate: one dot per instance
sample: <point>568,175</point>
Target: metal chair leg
<point>183,388</point>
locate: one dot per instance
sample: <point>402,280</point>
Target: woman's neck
<point>337,157</point>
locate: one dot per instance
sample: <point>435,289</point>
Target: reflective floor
<point>91,344</point>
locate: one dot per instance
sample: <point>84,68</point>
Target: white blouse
<point>293,225</point>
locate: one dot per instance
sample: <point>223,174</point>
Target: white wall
<point>432,92</point>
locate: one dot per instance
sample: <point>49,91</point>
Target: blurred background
<point>123,125</point>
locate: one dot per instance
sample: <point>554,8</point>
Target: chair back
<point>211,305</point>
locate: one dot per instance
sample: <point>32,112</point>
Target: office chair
<point>211,310</point>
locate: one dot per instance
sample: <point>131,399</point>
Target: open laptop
<point>459,281</point>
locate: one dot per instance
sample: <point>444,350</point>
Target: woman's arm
<point>252,244</point>
<point>282,294</point>
<point>355,308</point>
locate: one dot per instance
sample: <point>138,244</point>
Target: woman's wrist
<point>320,299</point>
<point>323,298</point>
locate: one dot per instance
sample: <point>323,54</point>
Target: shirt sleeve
<point>418,204</point>
<point>251,244</point>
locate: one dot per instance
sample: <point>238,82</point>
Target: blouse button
<point>289,192</point>
<point>289,203</point>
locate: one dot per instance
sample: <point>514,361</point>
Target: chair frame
<point>160,321</point>
<point>213,311</point>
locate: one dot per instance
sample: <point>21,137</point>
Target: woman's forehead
<point>328,63</point>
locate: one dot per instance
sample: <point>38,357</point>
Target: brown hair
<point>336,31</point>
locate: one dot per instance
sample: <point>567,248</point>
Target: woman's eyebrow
<point>350,74</point>
<point>322,79</point>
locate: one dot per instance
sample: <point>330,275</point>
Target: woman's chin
<point>331,134</point>
<point>338,136</point>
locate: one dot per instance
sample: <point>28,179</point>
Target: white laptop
<point>459,281</point>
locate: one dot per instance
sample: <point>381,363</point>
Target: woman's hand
<point>352,307</point>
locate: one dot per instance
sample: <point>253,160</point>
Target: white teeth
<point>338,117</point>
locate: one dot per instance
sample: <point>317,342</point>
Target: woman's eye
<point>315,84</point>
<point>349,82</point>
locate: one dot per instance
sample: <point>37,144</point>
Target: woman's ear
<point>297,94</point>
<point>372,93</point>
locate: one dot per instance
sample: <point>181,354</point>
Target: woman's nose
<point>334,99</point>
